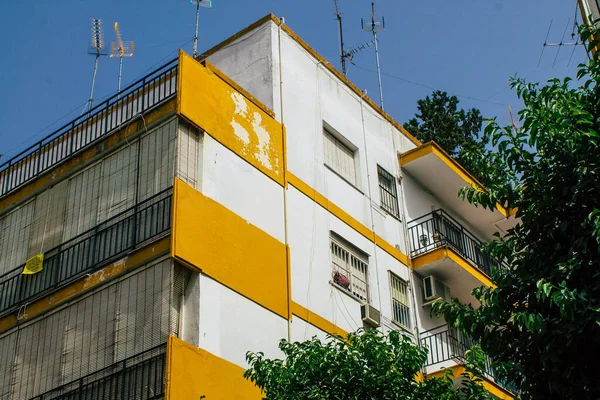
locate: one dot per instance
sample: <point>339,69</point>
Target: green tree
<point>363,365</point>
<point>440,119</point>
<point>542,322</point>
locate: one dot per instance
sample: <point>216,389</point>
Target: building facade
<point>219,205</point>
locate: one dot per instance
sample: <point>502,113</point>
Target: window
<point>349,270</point>
<point>339,157</point>
<point>400,308</point>
<point>387,192</point>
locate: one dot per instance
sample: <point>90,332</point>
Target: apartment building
<point>216,206</point>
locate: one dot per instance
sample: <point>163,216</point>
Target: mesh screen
<point>116,322</point>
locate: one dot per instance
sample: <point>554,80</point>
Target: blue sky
<point>466,47</point>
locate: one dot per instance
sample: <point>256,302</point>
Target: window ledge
<point>347,293</point>
<point>344,179</point>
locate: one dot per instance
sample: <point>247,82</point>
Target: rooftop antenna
<point>96,49</point>
<point>338,15</point>
<point>199,3</point>
<point>120,49</point>
<point>574,42</point>
<point>375,25</point>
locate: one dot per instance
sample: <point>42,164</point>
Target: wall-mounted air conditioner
<point>370,315</point>
<point>433,290</point>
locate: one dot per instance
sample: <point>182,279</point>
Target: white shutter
<point>7,356</point>
<point>119,173</point>
<point>82,202</point>
<point>187,153</point>
<point>339,158</point>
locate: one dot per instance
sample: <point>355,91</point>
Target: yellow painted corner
<point>230,117</point>
<point>211,238</point>
<point>316,320</point>
<point>193,372</point>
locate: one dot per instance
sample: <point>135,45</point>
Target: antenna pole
<point>91,101</point>
<point>377,59</point>
<point>338,16</point>
<point>196,34</point>
<point>120,73</point>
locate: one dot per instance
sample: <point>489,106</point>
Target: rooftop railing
<point>141,377</point>
<point>153,89</point>
<point>89,251</point>
<point>438,229</point>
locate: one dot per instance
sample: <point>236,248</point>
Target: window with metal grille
<point>350,270</point>
<point>400,307</point>
<point>339,157</point>
<point>387,192</point>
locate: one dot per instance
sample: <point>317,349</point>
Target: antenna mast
<point>96,49</point>
<point>120,49</point>
<point>338,15</point>
<point>375,25</point>
<point>199,3</point>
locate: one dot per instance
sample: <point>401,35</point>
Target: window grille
<point>387,192</point>
<point>400,307</point>
<point>350,270</point>
<point>339,157</point>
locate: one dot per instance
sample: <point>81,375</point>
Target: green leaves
<point>541,323</point>
<point>363,365</point>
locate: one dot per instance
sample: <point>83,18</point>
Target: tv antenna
<point>338,16</point>
<point>120,49</point>
<point>574,42</point>
<point>375,25</point>
<point>96,49</point>
<point>199,3</point>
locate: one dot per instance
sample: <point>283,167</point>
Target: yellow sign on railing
<point>34,264</point>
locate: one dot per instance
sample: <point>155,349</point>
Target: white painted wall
<point>231,325</point>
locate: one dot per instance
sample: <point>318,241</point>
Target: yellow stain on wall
<point>209,237</point>
<point>194,372</point>
<point>230,117</point>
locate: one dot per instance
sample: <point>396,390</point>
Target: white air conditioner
<point>370,315</point>
<point>433,290</point>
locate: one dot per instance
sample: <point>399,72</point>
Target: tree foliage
<point>440,119</point>
<point>542,322</point>
<point>363,365</point>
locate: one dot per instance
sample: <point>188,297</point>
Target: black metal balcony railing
<point>139,97</point>
<point>141,377</point>
<point>438,229</point>
<point>445,343</point>
<point>89,251</point>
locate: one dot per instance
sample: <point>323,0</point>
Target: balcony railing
<point>141,377</point>
<point>448,344</point>
<point>89,251</point>
<point>155,88</point>
<point>438,229</point>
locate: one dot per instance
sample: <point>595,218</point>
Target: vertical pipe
<point>93,82</point>
<point>196,34</point>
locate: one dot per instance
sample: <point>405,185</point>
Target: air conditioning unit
<point>433,290</point>
<point>370,315</point>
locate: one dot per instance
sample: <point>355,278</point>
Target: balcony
<point>442,247</point>
<point>89,251</point>
<point>138,98</point>
<point>447,348</point>
<point>141,377</point>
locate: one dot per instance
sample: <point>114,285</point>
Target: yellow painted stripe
<point>346,218</point>
<point>138,257</point>
<point>66,168</point>
<point>316,320</point>
<point>446,252</point>
<point>489,385</point>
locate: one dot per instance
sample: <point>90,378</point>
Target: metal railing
<point>141,377</point>
<point>438,229</point>
<point>445,343</point>
<point>139,97</point>
<point>89,251</point>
